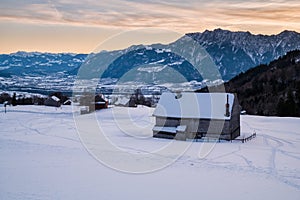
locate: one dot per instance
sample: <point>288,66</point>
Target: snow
<point>121,100</point>
<point>148,47</point>
<point>164,129</point>
<point>194,105</point>
<point>3,68</point>
<point>159,50</point>
<point>169,129</point>
<point>181,128</point>
<point>42,157</point>
<point>55,98</point>
<point>152,68</point>
<point>176,63</point>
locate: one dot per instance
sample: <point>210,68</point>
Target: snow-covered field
<point>42,157</point>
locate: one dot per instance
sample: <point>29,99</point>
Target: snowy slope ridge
<point>41,157</point>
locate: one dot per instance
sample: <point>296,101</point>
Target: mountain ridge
<point>231,52</point>
<point>237,52</point>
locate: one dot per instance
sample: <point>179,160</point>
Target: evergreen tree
<point>288,107</point>
<point>290,104</point>
<point>281,108</point>
<point>14,100</point>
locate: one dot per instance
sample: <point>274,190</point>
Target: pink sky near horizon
<point>80,26</point>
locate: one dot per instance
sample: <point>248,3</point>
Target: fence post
<point>4,107</point>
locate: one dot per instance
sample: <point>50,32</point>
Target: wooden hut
<point>52,101</point>
<point>100,103</point>
<point>197,115</point>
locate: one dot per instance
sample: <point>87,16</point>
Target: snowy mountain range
<point>39,64</point>
<point>232,52</point>
<point>236,52</point>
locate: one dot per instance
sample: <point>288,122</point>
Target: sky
<point>81,26</point>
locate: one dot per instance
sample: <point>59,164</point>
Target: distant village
<point>91,100</point>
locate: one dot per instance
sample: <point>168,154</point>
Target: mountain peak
<point>229,32</point>
<point>239,51</point>
<point>288,32</point>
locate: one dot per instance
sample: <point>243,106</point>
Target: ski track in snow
<point>47,127</point>
<point>273,145</point>
<point>272,154</point>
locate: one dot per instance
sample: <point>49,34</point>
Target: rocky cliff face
<point>236,52</point>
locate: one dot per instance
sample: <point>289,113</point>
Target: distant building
<point>68,102</point>
<point>100,103</point>
<point>5,97</point>
<point>93,102</point>
<point>197,115</point>
<point>52,101</point>
<point>121,100</point>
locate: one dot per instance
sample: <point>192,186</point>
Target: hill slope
<point>41,145</point>
<point>272,89</point>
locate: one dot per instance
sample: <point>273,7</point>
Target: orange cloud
<point>182,16</point>
<point>256,16</point>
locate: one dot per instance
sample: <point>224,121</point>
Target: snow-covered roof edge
<point>55,98</point>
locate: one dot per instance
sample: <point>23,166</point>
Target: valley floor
<point>42,157</point>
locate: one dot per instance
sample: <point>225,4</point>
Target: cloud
<point>257,17</point>
<point>139,14</point>
<point>29,11</point>
<point>128,14</point>
<point>79,25</point>
<point>191,15</point>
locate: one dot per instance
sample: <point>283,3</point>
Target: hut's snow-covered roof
<point>194,105</point>
<point>121,101</point>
